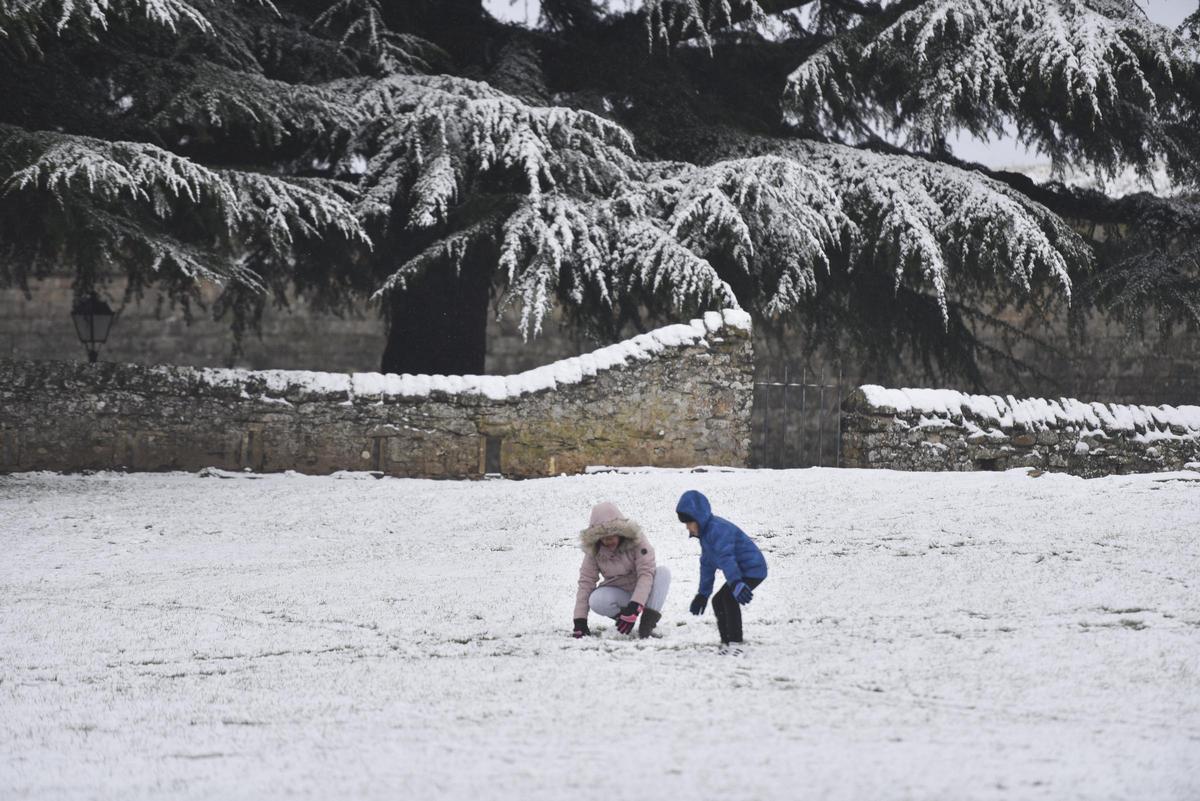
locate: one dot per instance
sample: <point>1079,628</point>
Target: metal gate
<point>797,417</point>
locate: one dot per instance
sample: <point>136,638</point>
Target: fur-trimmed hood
<point>629,532</point>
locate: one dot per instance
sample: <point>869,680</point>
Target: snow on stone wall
<point>676,396</point>
<point>937,429</point>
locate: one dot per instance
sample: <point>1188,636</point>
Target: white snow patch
<point>1035,414</point>
<point>737,318</point>
<point>974,636</point>
<point>703,468</point>
<point>564,372</point>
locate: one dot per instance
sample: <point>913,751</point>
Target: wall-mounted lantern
<point>93,319</point>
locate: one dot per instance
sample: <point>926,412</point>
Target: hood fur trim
<point>629,532</point>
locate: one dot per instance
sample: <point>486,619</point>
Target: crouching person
<point>722,545</point>
<point>615,548</point>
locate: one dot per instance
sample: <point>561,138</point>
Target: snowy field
<point>921,636</point>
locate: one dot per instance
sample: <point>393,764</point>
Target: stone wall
<point>1107,363</point>
<point>677,396</point>
<point>926,429</point>
<point>295,337</point>
<point>151,331</point>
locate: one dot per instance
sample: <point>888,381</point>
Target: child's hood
<point>693,504</point>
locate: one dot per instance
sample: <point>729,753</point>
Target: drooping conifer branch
<point>277,145</point>
<point>1091,82</point>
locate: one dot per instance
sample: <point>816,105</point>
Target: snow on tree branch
<point>559,246</point>
<point>135,202</point>
<point>659,234</point>
<point>222,102</point>
<point>104,237</point>
<point>823,94</point>
<point>295,208</point>
<point>63,165</point>
<point>364,33</point>
<point>448,252</point>
<point>1151,268</point>
<point>934,225</point>
<point>775,218</point>
<point>22,20</point>
<point>936,220</point>
<point>1190,27</point>
<point>443,134</point>
<point>780,218</point>
<point>546,239</point>
<point>1090,81</point>
<point>1163,280</point>
<point>670,20</point>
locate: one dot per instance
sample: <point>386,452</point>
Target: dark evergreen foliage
<point>691,154</point>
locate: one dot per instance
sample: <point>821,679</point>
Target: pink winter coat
<point>629,566</point>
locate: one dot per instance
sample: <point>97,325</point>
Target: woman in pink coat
<point>615,548</point>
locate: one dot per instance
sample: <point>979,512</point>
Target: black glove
<point>628,617</point>
<point>698,604</point>
<point>581,628</point>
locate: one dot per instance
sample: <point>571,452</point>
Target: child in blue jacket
<point>723,545</point>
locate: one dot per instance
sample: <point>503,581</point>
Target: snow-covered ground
<point>921,636</point>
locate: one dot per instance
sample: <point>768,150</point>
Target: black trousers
<point>729,611</point>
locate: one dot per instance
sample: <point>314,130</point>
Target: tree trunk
<point>439,324</point>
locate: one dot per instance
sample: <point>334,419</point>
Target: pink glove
<point>628,617</point>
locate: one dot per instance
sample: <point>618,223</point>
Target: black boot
<point>649,620</point>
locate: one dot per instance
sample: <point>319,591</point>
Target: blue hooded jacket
<point>722,544</point>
